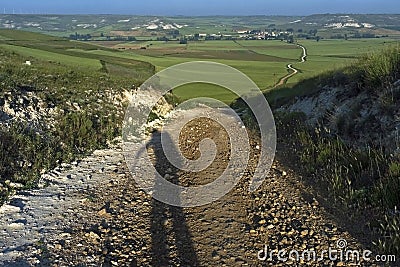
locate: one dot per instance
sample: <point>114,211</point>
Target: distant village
<point>246,35</point>
<point>174,35</point>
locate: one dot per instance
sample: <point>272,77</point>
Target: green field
<point>75,61</point>
<point>332,54</point>
<point>71,53</point>
<point>196,90</point>
<point>263,61</point>
<point>264,73</point>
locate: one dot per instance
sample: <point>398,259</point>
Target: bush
<point>25,154</point>
<point>380,70</point>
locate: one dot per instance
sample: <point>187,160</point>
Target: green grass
<point>374,71</point>
<point>327,55</point>
<point>344,49</point>
<point>73,53</point>
<point>273,48</point>
<point>264,74</point>
<point>196,90</point>
<point>359,64</point>
<point>13,35</point>
<point>32,54</point>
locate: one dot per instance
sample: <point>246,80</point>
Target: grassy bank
<point>361,179</point>
<point>87,113</point>
<point>365,178</point>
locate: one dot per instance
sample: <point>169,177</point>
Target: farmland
<point>263,61</point>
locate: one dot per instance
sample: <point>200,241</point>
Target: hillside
<point>346,135</point>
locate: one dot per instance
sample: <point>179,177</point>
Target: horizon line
<point>180,15</point>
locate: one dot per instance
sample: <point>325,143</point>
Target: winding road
<point>293,70</point>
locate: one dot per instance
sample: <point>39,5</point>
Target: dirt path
<point>293,70</point>
<point>111,222</point>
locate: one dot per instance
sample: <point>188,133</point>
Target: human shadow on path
<point>169,230</point>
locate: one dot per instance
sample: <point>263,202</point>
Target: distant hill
<point>327,25</point>
<point>354,20</point>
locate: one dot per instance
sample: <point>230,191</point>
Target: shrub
<point>380,70</point>
<point>373,71</point>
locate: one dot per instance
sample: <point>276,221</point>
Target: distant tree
<point>300,30</point>
<point>78,36</point>
<point>368,35</point>
<point>313,32</point>
<point>337,36</point>
<point>164,38</point>
<point>174,32</point>
<point>183,41</point>
<point>290,30</point>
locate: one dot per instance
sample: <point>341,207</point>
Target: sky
<point>200,7</point>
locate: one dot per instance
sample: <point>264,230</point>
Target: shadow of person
<point>171,239</point>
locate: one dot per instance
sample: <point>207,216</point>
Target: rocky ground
<point>92,213</point>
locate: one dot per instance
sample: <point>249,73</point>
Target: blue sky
<point>200,7</point>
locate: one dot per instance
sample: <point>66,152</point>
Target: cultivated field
<point>263,61</point>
